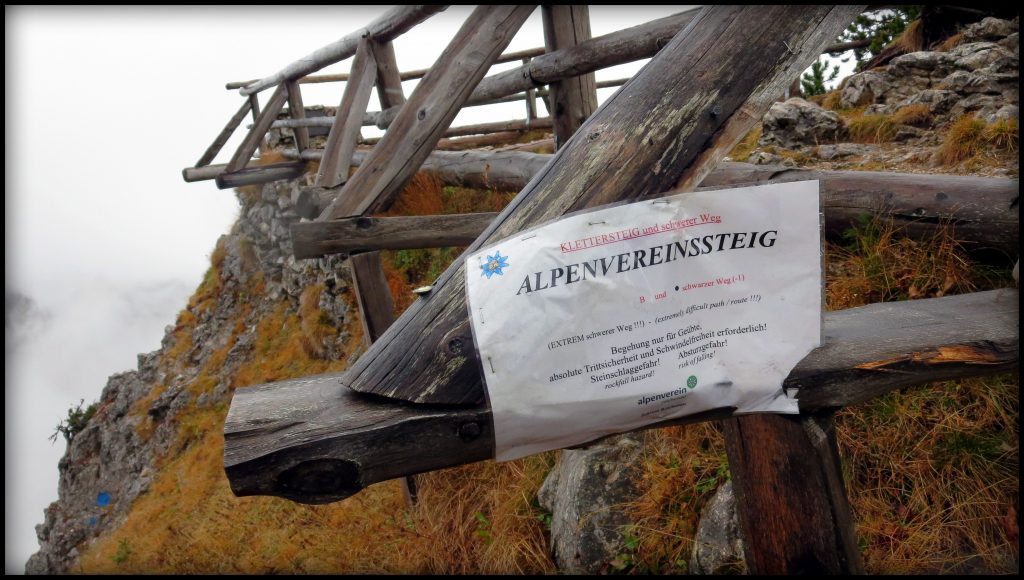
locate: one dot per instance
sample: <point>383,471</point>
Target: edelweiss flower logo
<point>494,265</point>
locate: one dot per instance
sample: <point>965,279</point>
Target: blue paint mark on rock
<point>103,499</point>
<point>93,521</point>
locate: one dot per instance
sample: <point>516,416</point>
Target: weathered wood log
<point>478,141</point>
<point>362,234</point>
<point>405,76</point>
<point>389,83</point>
<point>252,175</point>
<point>575,98</point>
<point>385,29</point>
<point>631,44</point>
<point>531,99</point>
<point>341,142</point>
<point>377,312</point>
<point>429,110</point>
<point>790,497</point>
<point>225,134</point>
<point>254,138</point>
<point>314,441</point>
<point>488,128</point>
<point>631,148</point>
<point>297,112</point>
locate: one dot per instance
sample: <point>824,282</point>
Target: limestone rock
<point>718,545</point>
<point>797,122</point>
<point>582,493</point>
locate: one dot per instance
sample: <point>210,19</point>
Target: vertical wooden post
<point>377,310</point>
<point>790,497</point>
<point>254,106</point>
<point>531,98</point>
<point>575,99</point>
<point>341,141</point>
<point>297,111</point>
<point>259,129</point>
<point>389,82</point>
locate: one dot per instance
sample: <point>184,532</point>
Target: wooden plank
<point>362,234</point>
<point>225,134</point>
<point>297,112</point>
<point>429,111</point>
<point>341,142</point>
<point>389,84</point>
<point>477,141</point>
<point>633,149</point>
<point>255,136</point>
<point>385,29</point>
<point>254,106</point>
<point>790,498</point>
<point>575,98</point>
<point>257,174</point>
<point>280,436</point>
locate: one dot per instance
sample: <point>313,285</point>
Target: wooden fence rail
<point>312,440</point>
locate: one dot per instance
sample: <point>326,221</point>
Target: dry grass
<point>831,100</point>
<point>270,157</point>
<point>917,115</point>
<point>950,43</point>
<point>969,139</point>
<point>872,129</point>
<point>911,39</point>
<point>747,144</point>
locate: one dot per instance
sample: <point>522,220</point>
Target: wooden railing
<point>414,401</point>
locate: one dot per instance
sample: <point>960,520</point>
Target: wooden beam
<point>341,142</point>
<point>429,111</point>
<point>385,29</point>
<point>389,84</point>
<point>257,174</point>
<point>362,234</point>
<point>404,76</point>
<point>790,498</point>
<point>297,112</point>
<point>255,136</point>
<point>225,134</point>
<point>487,128</point>
<point>633,150</point>
<point>531,98</point>
<point>631,44</point>
<point>575,98</point>
<point>279,437</point>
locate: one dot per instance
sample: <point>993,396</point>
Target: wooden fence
<point>414,402</point>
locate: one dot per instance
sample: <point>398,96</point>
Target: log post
<point>259,129</point>
<point>429,110</point>
<point>389,83</point>
<point>575,98</point>
<point>531,98</point>
<point>790,497</point>
<point>296,111</point>
<point>254,106</point>
<point>341,141</point>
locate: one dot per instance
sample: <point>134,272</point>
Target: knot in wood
<point>364,223</point>
<point>422,114</point>
<point>469,431</point>
<point>716,111</point>
<point>455,346</point>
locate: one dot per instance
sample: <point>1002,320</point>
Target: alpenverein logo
<point>692,382</point>
<point>494,265</point>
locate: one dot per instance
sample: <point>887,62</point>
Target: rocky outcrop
<point>582,493</point>
<point>114,458</point>
<point>978,75</point>
<point>796,122</point>
<point>718,545</point>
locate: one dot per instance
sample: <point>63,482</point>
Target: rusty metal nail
<point>455,346</point>
<point>469,431</point>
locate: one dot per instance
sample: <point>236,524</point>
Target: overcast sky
<point>103,108</point>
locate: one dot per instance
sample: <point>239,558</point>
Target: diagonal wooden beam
<point>225,134</point>
<point>341,141</point>
<point>389,83</point>
<point>575,98</point>
<point>643,140</point>
<point>259,129</point>
<point>429,110</point>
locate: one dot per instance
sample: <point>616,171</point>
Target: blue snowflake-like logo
<point>494,265</point>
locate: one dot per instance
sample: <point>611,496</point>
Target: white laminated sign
<point>608,320</point>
